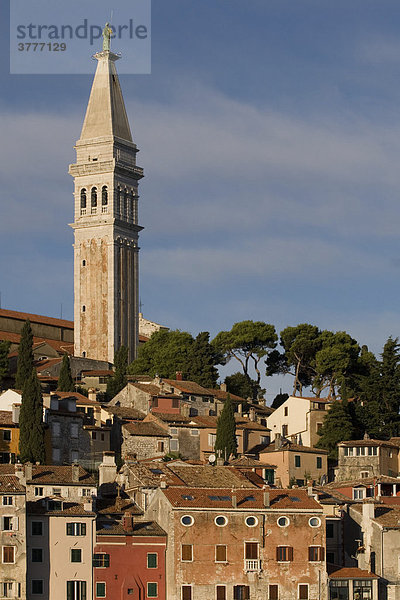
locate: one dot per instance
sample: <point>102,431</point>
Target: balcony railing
<point>252,565</point>
<point>83,212</point>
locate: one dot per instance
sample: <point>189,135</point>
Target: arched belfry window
<point>93,199</point>
<point>83,201</point>
<point>104,199</point>
<point>118,203</point>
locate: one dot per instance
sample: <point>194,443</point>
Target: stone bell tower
<point>106,251</point>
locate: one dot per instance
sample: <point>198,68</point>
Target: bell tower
<point>106,230</point>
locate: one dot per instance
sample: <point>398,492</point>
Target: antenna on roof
<point>61,308</point>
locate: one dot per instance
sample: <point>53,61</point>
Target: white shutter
<point>15,524</point>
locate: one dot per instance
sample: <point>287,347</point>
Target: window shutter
<point>186,592</point>
<point>15,524</point>
<point>290,553</point>
<point>303,592</point>
<point>278,553</point>
<point>251,550</point>
<point>273,592</point>
<point>221,592</point>
<point>321,553</point>
<point>221,554</point>
<point>187,552</point>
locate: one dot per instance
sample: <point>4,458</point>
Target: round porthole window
<point>187,520</point>
<point>251,521</point>
<point>314,522</point>
<point>283,521</point>
<point>221,521</point>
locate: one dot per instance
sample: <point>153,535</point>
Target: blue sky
<point>269,133</point>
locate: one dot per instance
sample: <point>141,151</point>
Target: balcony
<point>252,565</point>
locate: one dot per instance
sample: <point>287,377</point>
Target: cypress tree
<point>4,350</point>
<point>25,356</point>
<point>337,427</point>
<point>31,430</point>
<point>65,381</point>
<point>225,443</point>
<point>118,381</point>
<point>202,360</point>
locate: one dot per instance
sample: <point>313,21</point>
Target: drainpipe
<point>382,532</point>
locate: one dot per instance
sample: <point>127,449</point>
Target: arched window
<point>104,195</point>
<point>83,198</point>
<point>118,203</point>
<point>93,200</point>
<point>134,206</point>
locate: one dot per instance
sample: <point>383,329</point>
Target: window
<point>6,590</point>
<point>54,505</point>
<point>130,591</point>
<point>7,523</point>
<point>273,591</point>
<point>286,411</point>
<point>94,435</point>
<point>194,432</point>
<point>101,560</point>
<point>269,475</point>
<point>76,590</point>
<point>338,590</point>
<point>152,560</point>
<point>251,550</point>
<point>84,263</point>
<point>93,197</point>
<point>358,493</point>
<point>174,445</point>
<point>37,555</point>
<point>175,403</point>
<point>74,430</point>
<point>297,461</point>
<point>152,591</point>
<point>187,520</point>
<point>7,500</point>
<point>76,528</point>
<point>372,451</point>
<point>83,310</point>
<point>284,430</point>
<point>83,198</point>
<point>264,439</point>
<point>55,428</point>
<point>364,474</point>
<point>303,591</point>
<point>186,592</point>
<point>314,522</point>
<point>37,527</point>
<point>330,530</point>
<point>316,553</point>
<point>100,590</point>
<point>319,427</point>
<point>211,439</point>
<point>104,195</point>
<point>56,491</point>
<point>37,586</point>
<point>160,446</point>
<point>221,592</point>
<point>241,592</point>
<point>76,555</point>
<point>56,455</point>
<point>283,521</point>
<point>7,435</point>
<point>319,462</point>
<point>86,492</point>
<point>173,431</point>
<point>251,521</point>
<point>38,491</point>
<point>221,521</point>
<point>284,553</point>
<point>8,554</point>
<point>220,553</point>
<point>187,552</point>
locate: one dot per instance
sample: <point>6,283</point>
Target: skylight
<point>185,497</point>
<point>220,498</point>
<point>156,471</point>
<point>294,499</point>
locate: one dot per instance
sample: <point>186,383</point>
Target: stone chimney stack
<point>266,499</point>
<point>15,412</point>
<point>92,394</point>
<point>75,472</point>
<point>222,387</point>
<point>368,508</point>
<point>19,472</point>
<point>127,522</point>
<point>179,376</point>
<point>28,471</point>
<point>252,414</point>
<point>107,469</point>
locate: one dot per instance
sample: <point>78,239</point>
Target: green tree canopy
<point>4,351</point>
<point>243,386</point>
<point>31,429</point>
<point>65,381</point>
<point>25,356</point>
<point>118,381</point>
<point>164,354</point>
<point>247,342</point>
<point>202,360</point>
<point>225,443</point>
<point>279,400</point>
<point>337,427</point>
<point>337,360</point>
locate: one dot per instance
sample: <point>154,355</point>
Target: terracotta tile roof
<point>364,481</point>
<point>143,338</point>
<point>53,474</point>
<point>241,423</point>
<point>174,418</point>
<point>115,506</point>
<point>389,443</point>
<point>13,314</point>
<point>42,365</point>
<point>57,345</point>
<point>10,484</point>
<point>80,398</point>
<point>68,508</point>
<point>188,387</point>
<point>6,418</point>
<point>349,573</point>
<point>190,497</point>
<point>148,388</point>
<point>291,447</point>
<point>210,477</point>
<point>140,528</point>
<point>150,475</point>
<point>98,373</point>
<point>259,409</point>
<point>221,395</point>
<point>145,429</point>
<point>124,412</point>
<point>246,462</point>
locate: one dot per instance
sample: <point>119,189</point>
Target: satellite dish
<point>212,458</point>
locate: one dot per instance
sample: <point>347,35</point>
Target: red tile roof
<point>98,373</point>
<point>145,429</point>
<point>291,447</point>
<point>53,474</point>
<point>9,484</point>
<point>13,314</point>
<point>188,387</point>
<point>350,573</point>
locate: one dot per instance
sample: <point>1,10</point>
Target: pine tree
<point>4,350</point>
<point>31,430</point>
<point>118,381</point>
<point>25,356</point>
<point>65,381</point>
<point>337,427</point>
<point>225,443</point>
<point>201,361</point>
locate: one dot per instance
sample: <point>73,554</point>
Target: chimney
<point>92,394</point>
<point>108,468</point>
<point>179,376</point>
<point>75,472</point>
<point>28,471</point>
<point>266,499</point>
<point>368,508</point>
<point>310,490</point>
<point>240,409</point>
<point>234,501</point>
<point>127,522</point>
<point>278,441</point>
<point>15,412</point>
<point>220,461</point>
<point>163,484</point>
<point>88,505</point>
<point>222,387</point>
<point>19,472</point>
<point>252,414</point>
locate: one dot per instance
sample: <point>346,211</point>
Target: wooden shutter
<point>303,592</point>
<point>8,554</point>
<point>273,592</point>
<point>187,553</point>
<point>290,553</point>
<point>186,592</point>
<point>221,592</point>
<point>220,554</point>
<point>251,549</point>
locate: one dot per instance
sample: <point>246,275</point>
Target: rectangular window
<point>364,474</point>
<point>286,411</point>
<point>76,555</point>
<point>319,462</point>
<point>220,553</point>
<point>297,461</point>
<point>211,439</point>
<point>319,427</point>
<point>101,560</point>
<point>37,527</point>
<point>175,403</point>
<point>160,446</point>
<point>303,591</point>
<point>76,528</point>
<point>251,550</point>
<point>273,593</point>
<point>346,451</point>
<point>194,432</point>
<point>94,435</point>
<point>152,560</point>
<point>100,589</point>
<point>37,555</point>
<point>76,590</point>
<point>55,429</point>
<point>241,592</point>
<point>284,553</point>
<point>56,455</point>
<point>86,492</point>
<point>7,435</point>
<point>7,523</point>
<point>37,586</point>
<point>8,554</point>
<point>221,592</point>
<point>6,590</point>
<point>173,431</point>
<point>74,430</point>
<point>56,491</point>
<point>315,553</point>
<point>7,500</point>
<point>174,445</point>
<point>38,491</point>
<point>372,451</point>
<point>186,592</point>
<point>187,552</point>
<point>358,493</point>
<point>152,591</point>
<point>330,530</point>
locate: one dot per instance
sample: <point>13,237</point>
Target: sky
<point>269,132</point>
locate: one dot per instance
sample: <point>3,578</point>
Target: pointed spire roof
<point>106,114</point>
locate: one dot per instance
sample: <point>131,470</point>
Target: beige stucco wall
<point>286,469</point>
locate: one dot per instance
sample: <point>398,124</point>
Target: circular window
<point>221,521</point>
<point>187,520</point>
<point>251,521</point>
<point>314,522</point>
<point>283,521</point>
